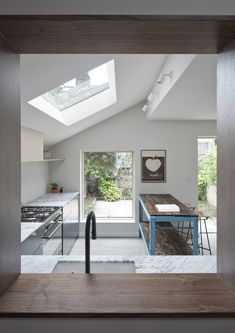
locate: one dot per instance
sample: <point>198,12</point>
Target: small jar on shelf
<point>47,154</point>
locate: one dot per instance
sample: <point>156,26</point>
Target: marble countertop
<point>143,264</point>
<point>53,199</point>
<point>28,228</point>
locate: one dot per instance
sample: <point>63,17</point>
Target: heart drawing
<point>153,164</point>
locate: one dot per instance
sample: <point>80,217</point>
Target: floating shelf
<point>53,159</point>
<point>46,160</point>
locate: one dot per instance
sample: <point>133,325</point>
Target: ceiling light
<point>144,109</point>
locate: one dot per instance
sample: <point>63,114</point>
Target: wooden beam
<point>117,34</point>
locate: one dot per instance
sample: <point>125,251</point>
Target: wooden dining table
<point>147,204</point>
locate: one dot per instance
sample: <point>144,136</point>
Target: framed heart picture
<point>153,166</point>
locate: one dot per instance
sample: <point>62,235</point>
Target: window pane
<point>108,184</point>
<point>78,89</point>
<point>203,148</point>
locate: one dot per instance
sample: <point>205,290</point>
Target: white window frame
<point>110,219</point>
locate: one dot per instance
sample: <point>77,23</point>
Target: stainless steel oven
<point>48,239</point>
<point>52,240</point>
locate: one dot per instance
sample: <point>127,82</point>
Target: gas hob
<point>38,214</point>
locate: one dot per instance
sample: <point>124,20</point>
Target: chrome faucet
<point>90,218</point>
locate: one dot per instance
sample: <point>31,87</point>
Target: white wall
<point>131,131</point>
<point>31,145</point>
<point>124,7</point>
<point>34,180</point>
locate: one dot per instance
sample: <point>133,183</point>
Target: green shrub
<point>201,188</point>
<point>127,194</point>
<point>109,190</point>
<point>89,207</point>
<point>207,173</point>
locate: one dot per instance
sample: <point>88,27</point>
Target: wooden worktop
<point>150,200</point>
<point>124,295</point>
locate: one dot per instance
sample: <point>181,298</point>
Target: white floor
<point>111,246</point>
<point>131,246</point>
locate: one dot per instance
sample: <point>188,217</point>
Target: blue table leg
<point>152,240</point>
<point>195,235</point>
<point>140,218</point>
<point>140,212</point>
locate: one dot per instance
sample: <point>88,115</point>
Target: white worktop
<point>53,199</point>
<point>27,228</point>
<point>143,264</point>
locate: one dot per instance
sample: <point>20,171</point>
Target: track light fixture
<point>162,77</point>
<point>150,97</point>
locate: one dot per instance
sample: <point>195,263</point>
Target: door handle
<point>52,233</point>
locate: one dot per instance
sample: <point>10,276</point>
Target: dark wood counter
<point>110,296</point>
<point>150,200</point>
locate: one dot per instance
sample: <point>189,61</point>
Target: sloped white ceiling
<point>135,75</point>
<point>193,96</point>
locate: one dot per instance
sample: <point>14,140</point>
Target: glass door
<point>107,185</point>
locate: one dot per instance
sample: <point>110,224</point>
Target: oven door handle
<point>53,232</point>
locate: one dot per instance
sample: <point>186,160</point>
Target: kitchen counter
<point>118,296</point>
<point>143,264</point>
<point>53,199</point>
<point>27,228</point>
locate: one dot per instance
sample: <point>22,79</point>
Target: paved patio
<point>116,209</point>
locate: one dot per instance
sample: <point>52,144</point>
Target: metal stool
<point>201,219</point>
<point>181,225</point>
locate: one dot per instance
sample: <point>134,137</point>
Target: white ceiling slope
<point>135,75</point>
<point>193,96</point>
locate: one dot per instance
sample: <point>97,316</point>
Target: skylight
<point>78,89</point>
<point>81,96</point>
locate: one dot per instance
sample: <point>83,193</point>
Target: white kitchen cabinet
<point>67,211</point>
<point>70,224</point>
<point>31,145</point>
<point>71,210</point>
